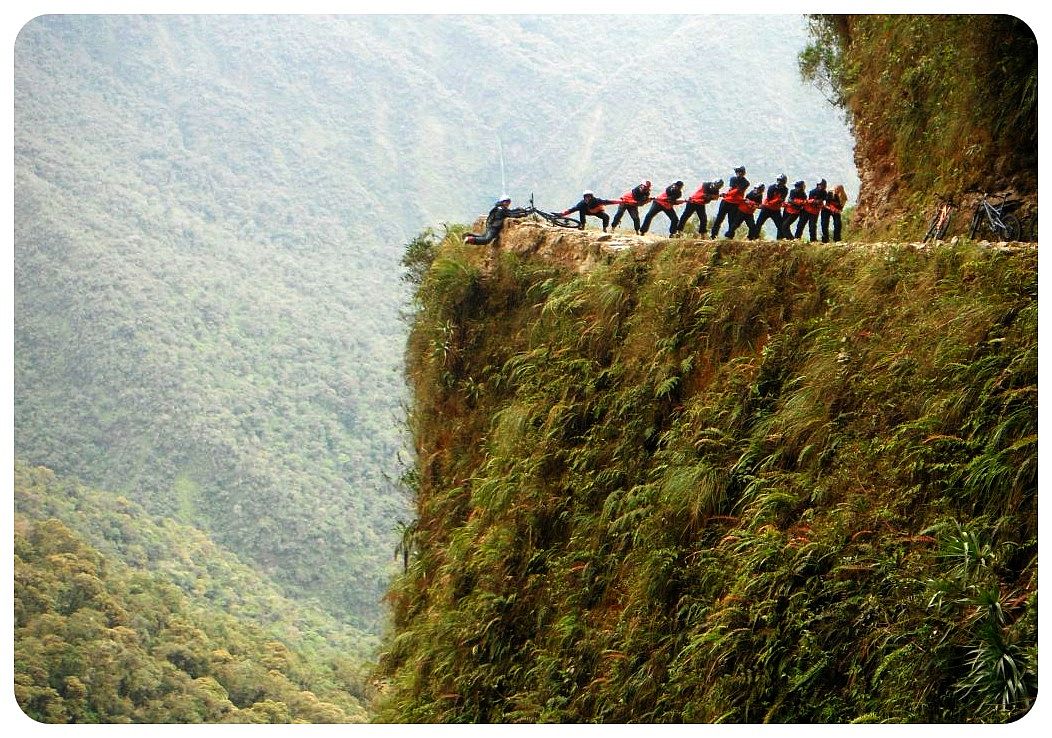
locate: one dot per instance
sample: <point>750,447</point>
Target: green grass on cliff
<point>776,482</point>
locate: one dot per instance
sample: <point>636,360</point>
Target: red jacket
<point>774,202</point>
<point>812,205</point>
<point>733,196</point>
<point>593,208</point>
<point>701,197</point>
<point>629,198</point>
<point>793,204</point>
<point>833,204</point>
<point>665,202</point>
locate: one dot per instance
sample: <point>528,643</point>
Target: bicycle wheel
<point>944,225</point>
<point>559,220</point>
<point>973,229</point>
<point>1010,232</point>
<point>933,228</point>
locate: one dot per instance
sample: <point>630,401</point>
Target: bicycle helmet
<point>739,170</point>
<point>782,178</point>
<point>798,183</point>
<point>503,199</point>
<point>588,193</point>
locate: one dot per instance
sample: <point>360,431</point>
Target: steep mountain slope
<point>99,640</point>
<point>207,218</point>
<point>720,482</point>
<point>211,577</point>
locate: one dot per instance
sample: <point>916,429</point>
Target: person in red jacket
<point>746,208</point>
<point>630,202</point>
<point>809,215</point>
<point>591,205</point>
<point>696,203</point>
<point>665,203</point>
<point>771,208</point>
<point>834,205</point>
<point>735,193</point>
<point>794,205</point>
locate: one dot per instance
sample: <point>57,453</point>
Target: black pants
<point>811,221</point>
<point>655,208</point>
<point>734,221</point>
<point>826,215</point>
<point>632,210</point>
<point>693,207</point>
<point>488,236</point>
<point>726,210</point>
<point>787,224</point>
<point>601,215</point>
<point>775,216</point>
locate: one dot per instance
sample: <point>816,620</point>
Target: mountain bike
<point>940,220</point>
<point>555,219</point>
<point>995,220</point>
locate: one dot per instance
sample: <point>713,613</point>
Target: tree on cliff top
<point>944,103</point>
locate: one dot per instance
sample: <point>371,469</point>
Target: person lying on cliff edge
<point>630,202</point>
<point>665,203</point>
<point>495,221</point>
<point>730,200</point>
<point>696,203</point>
<point>591,205</point>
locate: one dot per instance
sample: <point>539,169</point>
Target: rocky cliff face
<point>938,105</point>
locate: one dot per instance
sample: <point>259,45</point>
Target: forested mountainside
<point>208,219</point>
<point>719,482</point>
<point>939,104</point>
<point>122,617</point>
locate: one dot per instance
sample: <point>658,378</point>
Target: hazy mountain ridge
<point>209,216</point>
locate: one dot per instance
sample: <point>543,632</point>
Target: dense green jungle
<point>601,493</point>
<point>143,619</point>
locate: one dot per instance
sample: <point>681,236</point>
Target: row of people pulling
<point>776,203</point>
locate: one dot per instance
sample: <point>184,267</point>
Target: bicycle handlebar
<point>988,194</point>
